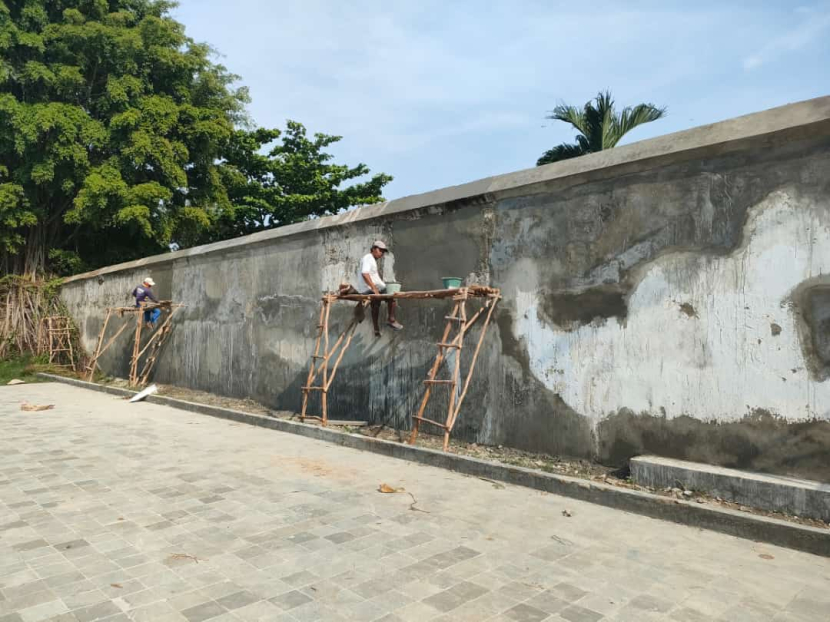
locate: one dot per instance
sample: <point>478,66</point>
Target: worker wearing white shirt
<point>370,282</point>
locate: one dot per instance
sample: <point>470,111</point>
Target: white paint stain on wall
<point>717,362</point>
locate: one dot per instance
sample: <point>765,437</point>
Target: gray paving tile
<point>454,597</point>
<point>72,545</point>
<point>290,600</point>
<point>96,612</point>
<point>567,592</point>
<point>575,613</point>
<point>31,545</point>
<point>808,607</point>
<point>159,525</point>
<point>64,578</point>
<point>452,557</point>
<point>300,538</point>
<point>685,614</point>
<point>237,600</point>
<point>43,611</point>
<point>28,588</point>
<point>20,602</point>
<point>548,601</point>
<point>553,552</point>
<point>300,579</point>
<point>340,538</point>
<point>205,611</point>
<point>525,613</point>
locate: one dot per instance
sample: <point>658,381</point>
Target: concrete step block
<point>777,493</point>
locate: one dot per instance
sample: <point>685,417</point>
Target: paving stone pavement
<point>115,511</point>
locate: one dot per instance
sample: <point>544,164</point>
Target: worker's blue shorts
<point>152,315</point>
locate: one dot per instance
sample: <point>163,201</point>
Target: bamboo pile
<point>24,303</point>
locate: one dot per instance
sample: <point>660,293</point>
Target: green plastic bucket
<point>451,282</point>
<point>392,287</point>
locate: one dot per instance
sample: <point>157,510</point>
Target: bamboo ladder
<point>58,334</point>
<point>457,320</point>
<point>338,349</point>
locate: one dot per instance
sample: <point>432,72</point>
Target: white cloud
<point>798,38</point>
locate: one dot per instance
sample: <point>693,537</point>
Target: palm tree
<point>599,126</point>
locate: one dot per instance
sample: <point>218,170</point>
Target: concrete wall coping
<point>731,135</point>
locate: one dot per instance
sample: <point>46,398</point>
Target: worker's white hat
<point>149,281</point>
<point>380,244</point>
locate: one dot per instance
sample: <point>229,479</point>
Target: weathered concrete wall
<point>670,296</point>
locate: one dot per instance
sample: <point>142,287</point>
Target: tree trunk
<point>35,261</point>
<point>30,260</point>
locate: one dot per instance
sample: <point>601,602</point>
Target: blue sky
<point>441,93</point>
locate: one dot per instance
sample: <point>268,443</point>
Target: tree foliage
<point>119,136</point>
<point>111,120</point>
<point>598,126</point>
<point>293,180</point>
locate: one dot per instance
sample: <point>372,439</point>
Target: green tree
<point>599,126</point>
<point>293,180</point>
<point>112,122</point>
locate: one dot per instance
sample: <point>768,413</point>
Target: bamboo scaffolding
<point>156,341</point>
<point>457,321</point>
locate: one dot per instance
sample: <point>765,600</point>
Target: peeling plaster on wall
<point>719,365</point>
<point>811,303</point>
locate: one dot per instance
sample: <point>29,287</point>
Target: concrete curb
<point>776,493</point>
<point>739,524</point>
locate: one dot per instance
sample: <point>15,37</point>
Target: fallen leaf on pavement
<point>766,556</point>
<point>567,513</point>
<point>116,585</point>
<point>35,407</point>
<point>387,489</point>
